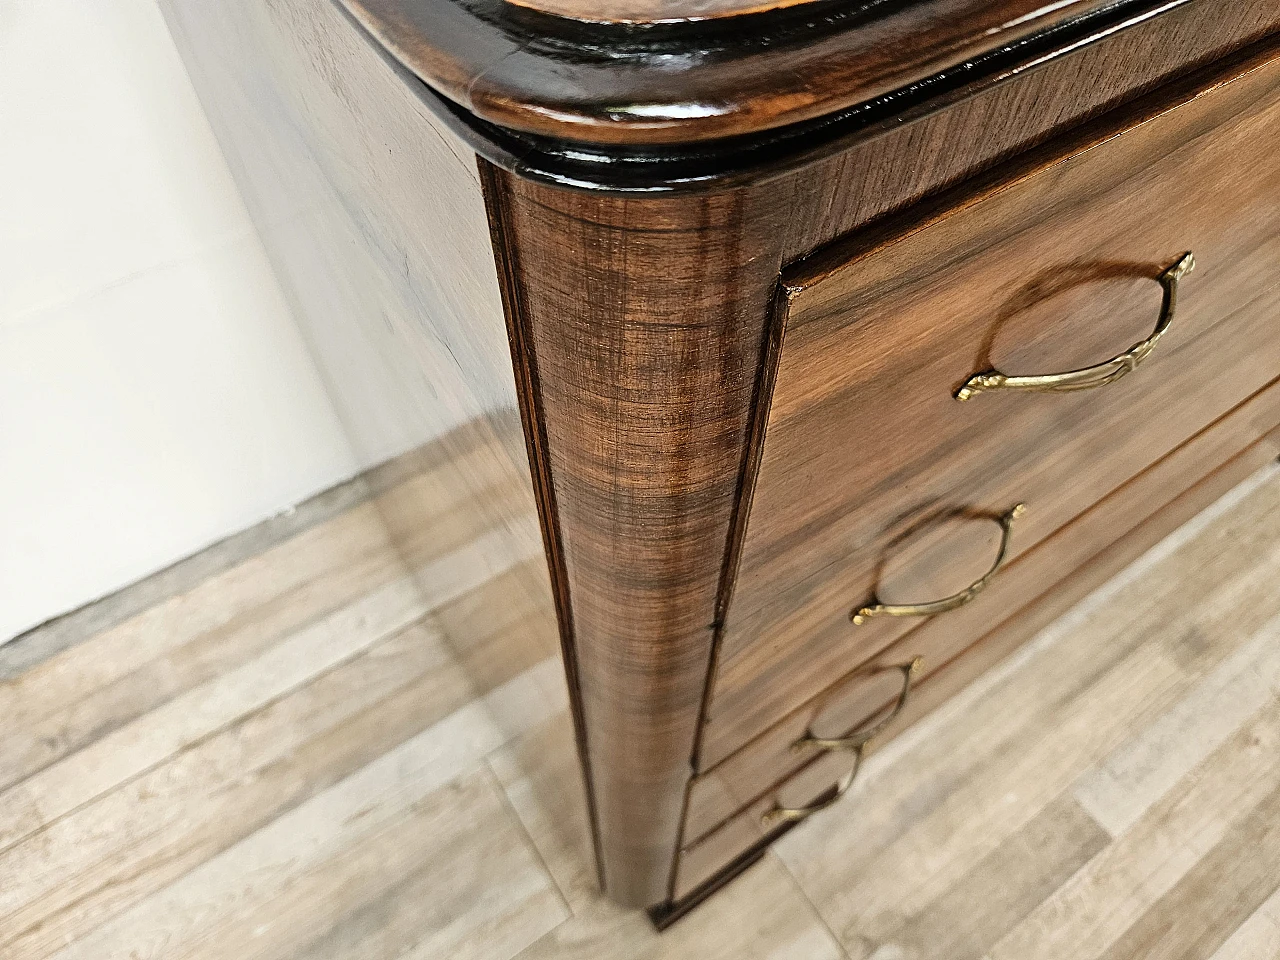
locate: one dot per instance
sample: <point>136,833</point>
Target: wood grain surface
<point>865,442</point>
<point>598,140</point>
<point>764,74</point>
<point>645,321</point>
<point>643,444</point>
<point>1039,586</point>
<point>702,860</point>
<point>904,157</point>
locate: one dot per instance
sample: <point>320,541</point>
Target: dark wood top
<point>693,80</point>
<point>654,11</point>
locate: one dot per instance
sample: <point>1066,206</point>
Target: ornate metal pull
<point>854,743</point>
<point>861,737</point>
<point>1100,374</point>
<point>779,815</point>
<point>878,609</point>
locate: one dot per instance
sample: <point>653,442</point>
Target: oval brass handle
<point>877,609</point>
<point>861,737</point>
<point>778,814</point>
<point>1100,374</point>
<point>855,743</point>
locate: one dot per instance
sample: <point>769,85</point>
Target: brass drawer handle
<point>861,737</point>
<point>1100,374</point>
<point>878,609</point>
<point>777,815</point>
<point>854,743</point>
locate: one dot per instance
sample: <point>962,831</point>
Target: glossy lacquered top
<point>645,12</point>
<point>646,73</point>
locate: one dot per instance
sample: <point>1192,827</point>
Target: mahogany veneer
<point>728,261</point>
<point>1051,269</point>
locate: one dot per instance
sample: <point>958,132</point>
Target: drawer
<point>727,805</point>
<point>873,481</point>
<point>1083,554</point>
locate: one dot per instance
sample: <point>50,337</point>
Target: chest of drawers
<point>818,353</point>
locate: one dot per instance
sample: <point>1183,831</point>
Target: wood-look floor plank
<point>306,558</point>
<point>960,763</point>
<point>109,853</point>
<point>1121,788</point>
<point>484,894</point>
<point>134,840</point>
<point>935,853</point>
<point>510,616</point>
<point>431,911</point>
<point>1238,554</point>
<point>999,890</point>
<point>760,916</point>
<point>45,641</point>
<point>462,514</point>
<point>541,777</point>
<point>440,513</point>
<point>446,579</point>
<point>437,505</point>
<point>1095,907</point>
<point>1258,938</point>
<point>375,790</point>
<point>911,777</point>
<point>177,919</point>
<point>60,704</point>
<point>141,744</point>
<point>1215,897</point>
<point>451,876</point>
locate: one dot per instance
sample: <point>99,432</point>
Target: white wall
<point>155,394</point>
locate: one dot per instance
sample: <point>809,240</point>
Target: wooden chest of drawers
<point>849,345</point>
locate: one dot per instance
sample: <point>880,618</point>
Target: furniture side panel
<point>646,329</point>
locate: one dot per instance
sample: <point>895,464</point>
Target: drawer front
<point>874,481</point>
<point>1046,580</point>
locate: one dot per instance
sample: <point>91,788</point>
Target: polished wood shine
<point>728,804</point>
<point>940,143</point>
<point>1061,74</point>
<point>643,448</point>
<point>654,12</point>
<point>617,88</point>
<point>544,254</point>
<point>1036,276</point>
<point>1034,588</point>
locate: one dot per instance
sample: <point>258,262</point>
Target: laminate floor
<point>298,746</point>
